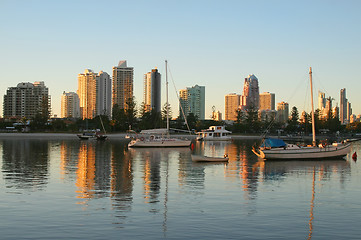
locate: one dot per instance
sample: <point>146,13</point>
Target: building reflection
<point>25,163</point>
<point>121,179</point>
<point>242,165</point>
<point>89,161</point>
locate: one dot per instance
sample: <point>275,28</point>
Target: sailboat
<point>278,149</point>
<point>99,135</point>
<point>164,140</point>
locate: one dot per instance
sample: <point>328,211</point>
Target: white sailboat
<point>164,140</point>
<point>278,149</point>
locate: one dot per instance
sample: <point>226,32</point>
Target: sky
<point>215,44</point>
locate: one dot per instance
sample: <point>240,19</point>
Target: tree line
<point>137,119</point>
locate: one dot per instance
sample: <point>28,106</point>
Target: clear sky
<point>211,43</point>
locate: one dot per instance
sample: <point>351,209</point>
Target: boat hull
<point>171,143</point>
<point>329,152</point>
<point>198,158</point>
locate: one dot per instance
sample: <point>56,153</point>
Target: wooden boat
<point>199,158</point>
<point>278,149</point>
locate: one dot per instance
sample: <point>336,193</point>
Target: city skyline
<point>276,41</point>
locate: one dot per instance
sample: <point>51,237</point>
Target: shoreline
<point>110,136</point>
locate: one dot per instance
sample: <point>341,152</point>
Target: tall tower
<point>152,90</point>
<point>232,102</point>
<point>267,101</point>
<point>193,101</point>
<point>70,105</point>
<point>250,97</point>
<point>282,112</point>
<point>26,100</point>
<point>122,84</point>
<point>87,94</point>
<point>343,106</point>
<point>103,94</point>
<point>321,100</point>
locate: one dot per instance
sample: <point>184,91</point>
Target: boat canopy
<point>273,143</point>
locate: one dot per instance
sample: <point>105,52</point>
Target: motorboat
<point>214,133</point>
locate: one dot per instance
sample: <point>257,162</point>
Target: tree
<point>164,112</point>
<point>252,122</point>
<point>131,112</point>
<point>192,120</point>
<point>293,123</point>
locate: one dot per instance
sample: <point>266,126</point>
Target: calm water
<point>69,189</point>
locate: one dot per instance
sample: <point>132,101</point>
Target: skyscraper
<point>321,100</point>
<point>70,105</point>
<point>122,84</point>
<point>267,101</point>
<point>192,100</point>
<point>152,90</point>
<point>26,100</point>
<point>250,96</point>
<point>232,103</point>
<point>103,94</point>
<point>282,112</point>
<point>343,106</point>
<point>87,94</point>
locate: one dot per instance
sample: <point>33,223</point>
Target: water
<point>71,189</point>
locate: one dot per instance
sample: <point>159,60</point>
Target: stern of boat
<point>259,153</point>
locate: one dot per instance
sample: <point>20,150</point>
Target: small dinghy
<point>199,158</point>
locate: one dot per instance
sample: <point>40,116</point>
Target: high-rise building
<point>87,94</point>
<point>103,94</point>
<point>343,106</point>
<point>250,96</point>
<point>282,112</point>
<point>267,101</point>
<point>70,105</point>
<point>122,84</point>
<point>26,100</point>
<point>217,116</point>
<point>321,100</point>
<point>192,100</point>
<point>152,91</point>
<point>349,111</point>
<point>232,103</point>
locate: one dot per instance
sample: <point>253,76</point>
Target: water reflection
<point>25,164</point>
<point>148,184</point>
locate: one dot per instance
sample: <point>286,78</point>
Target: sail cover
<point>273,143</point>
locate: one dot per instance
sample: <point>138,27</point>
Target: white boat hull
<point>214,138</point>
<point>198,158</point>
<point>327,152</point>
<point>172,142</point>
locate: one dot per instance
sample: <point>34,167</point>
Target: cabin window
<point>210,134</point>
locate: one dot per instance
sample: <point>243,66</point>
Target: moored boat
<point>160,137</point>
<point>200,158</point>
<point>215,133</point>
<point>278,149</point>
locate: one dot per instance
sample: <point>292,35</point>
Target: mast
<point>313,113</point>
<point>166,84</point>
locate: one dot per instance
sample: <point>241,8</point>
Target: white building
<point>103,94</point>
<point>70,105</point>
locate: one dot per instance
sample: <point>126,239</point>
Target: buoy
<point>354,156</point>
<point>192,146</point>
